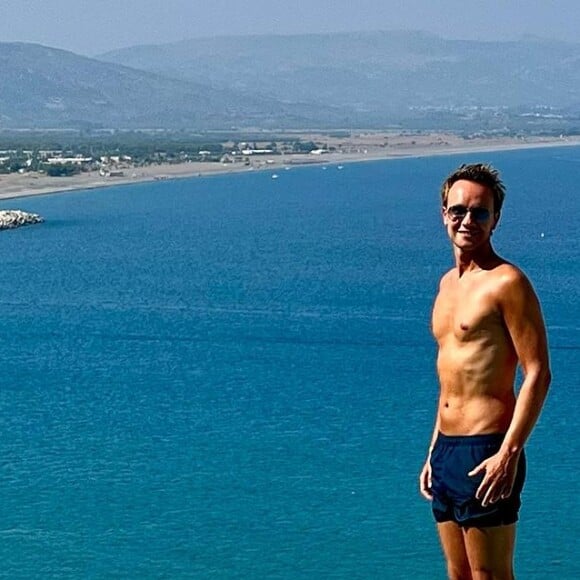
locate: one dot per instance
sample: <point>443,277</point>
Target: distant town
<point>69,155</point>
<point>114,154</point>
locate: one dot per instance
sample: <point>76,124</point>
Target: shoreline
<point>15,186</point>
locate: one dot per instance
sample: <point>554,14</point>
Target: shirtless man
<point>486,321</point>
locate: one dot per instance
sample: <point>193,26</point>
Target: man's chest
<point>465,312</point>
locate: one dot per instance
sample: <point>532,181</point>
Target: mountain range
<point>370,79</point>
<point>44,87</point>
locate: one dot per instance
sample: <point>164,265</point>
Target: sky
<point>90,27</point>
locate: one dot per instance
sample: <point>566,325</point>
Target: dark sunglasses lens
<point>457,211</point>
<point>480,214</point>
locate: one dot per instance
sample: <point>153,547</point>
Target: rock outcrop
<point>15,218</point>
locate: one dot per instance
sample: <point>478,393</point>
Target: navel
<point>463,326</point>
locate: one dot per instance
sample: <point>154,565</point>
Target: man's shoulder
<point>508,274</point>
<point>446,282</point>
<point>509,281</point>
<point>448,276</point>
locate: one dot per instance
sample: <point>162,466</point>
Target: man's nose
<point>468,219</point>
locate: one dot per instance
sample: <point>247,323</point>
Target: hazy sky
<point>93,26</point>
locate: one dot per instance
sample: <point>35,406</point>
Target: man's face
<point>469,215</point>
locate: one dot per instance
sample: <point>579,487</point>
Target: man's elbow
<point>547,378</point>
<point>540,376</point>
<point>543,378</point>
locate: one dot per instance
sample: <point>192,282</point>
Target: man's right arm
<point>425,476</point>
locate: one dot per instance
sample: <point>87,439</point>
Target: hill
<point>44,87</point>
<point>380,77</point>
<point>405,80</point>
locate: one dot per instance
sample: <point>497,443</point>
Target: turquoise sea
<point>233,377</point>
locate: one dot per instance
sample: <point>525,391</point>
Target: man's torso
<point>476,361</point>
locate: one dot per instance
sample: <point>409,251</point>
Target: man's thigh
<point>453,544</point>
<point>490,551</point>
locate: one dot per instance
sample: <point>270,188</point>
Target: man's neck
<point>481,259</point>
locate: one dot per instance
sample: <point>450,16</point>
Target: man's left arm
<point>524,322</point>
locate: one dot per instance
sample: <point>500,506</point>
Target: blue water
<point>233,377</point>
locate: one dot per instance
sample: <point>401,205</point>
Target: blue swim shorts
<point>452,458</point>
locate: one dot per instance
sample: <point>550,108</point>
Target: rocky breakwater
<point>15,218</point>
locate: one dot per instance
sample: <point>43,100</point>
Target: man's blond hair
<point>481,173</point>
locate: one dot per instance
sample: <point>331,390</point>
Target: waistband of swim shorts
<point>457,440</point>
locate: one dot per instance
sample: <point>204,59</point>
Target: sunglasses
<point>458,212</point>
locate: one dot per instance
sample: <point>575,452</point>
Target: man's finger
<point>483,489</point>
<point>487,498</point>
<point>476,470</point>
<point>507,492</point>
<point>425,490</point>
<point>425,485</point>
<point>492,495</point>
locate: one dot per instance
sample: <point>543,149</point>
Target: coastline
<point>369,147</point>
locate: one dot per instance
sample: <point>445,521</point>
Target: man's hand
<point>425,480</point>
<point>500,473</point>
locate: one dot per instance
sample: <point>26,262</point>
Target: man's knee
<point>459,571</point>
<point>492,573</point>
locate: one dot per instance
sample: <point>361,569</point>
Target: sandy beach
<point>357,148</point>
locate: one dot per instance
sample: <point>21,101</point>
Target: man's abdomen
<point>475,414</point>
